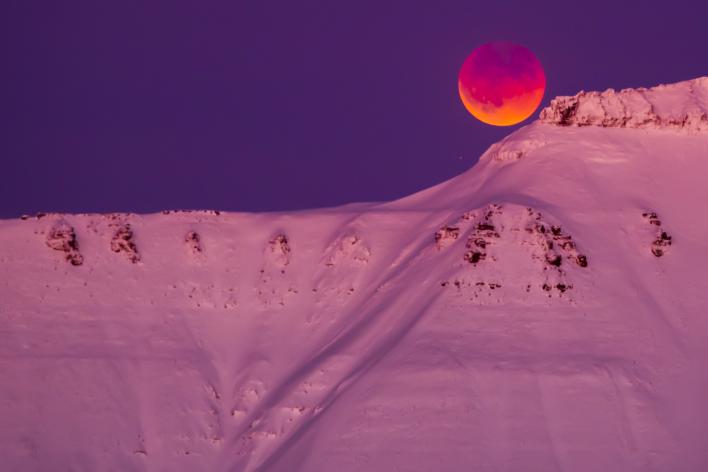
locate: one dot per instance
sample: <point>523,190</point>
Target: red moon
<point>501,83</point>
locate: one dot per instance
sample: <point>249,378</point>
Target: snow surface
<point>515,318</point>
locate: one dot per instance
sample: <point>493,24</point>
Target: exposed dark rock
<point>662,238</point>
<point>567,113</point>
<point>474,257</point>
<point>123,242</point>
<point>482,235</point>
<point>556,238</point>
<point>194,242</point>
<point>554,259</point>
<point>280,244</point>
<point>278,252</point>
<point>62,237</point>
<point>446,235</point>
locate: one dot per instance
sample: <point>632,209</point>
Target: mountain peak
<point>682,105</point>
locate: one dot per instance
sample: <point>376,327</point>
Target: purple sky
<point>259,105</point>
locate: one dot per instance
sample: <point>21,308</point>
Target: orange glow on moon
<point>501,83</point>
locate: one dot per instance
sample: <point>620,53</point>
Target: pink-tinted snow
<point>515,318</point>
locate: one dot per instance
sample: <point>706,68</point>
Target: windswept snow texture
<point>514,318</point>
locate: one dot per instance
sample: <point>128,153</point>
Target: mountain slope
<point>545,310</point>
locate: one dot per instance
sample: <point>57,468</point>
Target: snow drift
<point>546,310</point>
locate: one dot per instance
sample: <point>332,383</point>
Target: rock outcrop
<point>662,239</point>
<point>62,237</point>
<point>194,243</point>
<point>683,105</point>
<point>123,242</point>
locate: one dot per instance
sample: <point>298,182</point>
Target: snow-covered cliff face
<point>546,310</point>
<point>683,105</point>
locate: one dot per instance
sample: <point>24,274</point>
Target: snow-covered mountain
<point>546,310</point>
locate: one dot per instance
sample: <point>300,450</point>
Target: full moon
<point>501,83</point>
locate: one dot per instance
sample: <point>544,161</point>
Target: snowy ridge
<point>683,105</point>
<point>545,310</point>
